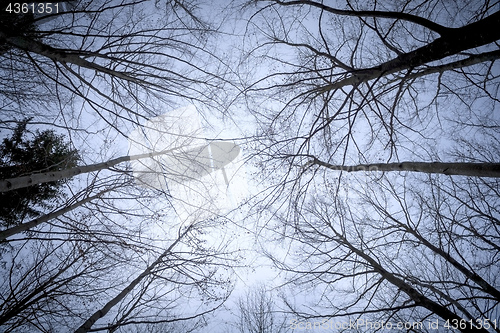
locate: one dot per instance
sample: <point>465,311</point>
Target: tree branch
<point>87,325</point>
<point>63,56</point>
<point>441,30</point>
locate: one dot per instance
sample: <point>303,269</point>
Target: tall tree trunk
<point>418,298</point>
<point>65,56</point>
<point>473,35</point>
<point>33,223</point>
<point>87,325</point>
<point>458,168</point>
<point>38,178</point>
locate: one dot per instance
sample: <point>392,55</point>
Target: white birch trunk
<point>457,168</point>
<point>39,178</point>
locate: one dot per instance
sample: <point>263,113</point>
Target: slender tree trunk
<point>33,223</point>
<point>38,178</point>
<point>87,325</point>
<point>473,35</point>
<point>463,169</point>
<point>418,298</point>
<point>485,286</point>
<point>63,56</point>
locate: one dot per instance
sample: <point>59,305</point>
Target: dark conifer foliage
<point>15,25</point>
<point>26,153</point>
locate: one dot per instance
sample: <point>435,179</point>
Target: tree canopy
<point>370,135</point>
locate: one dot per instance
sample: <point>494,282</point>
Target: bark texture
<point>461,169</point>
<point>38,178</point>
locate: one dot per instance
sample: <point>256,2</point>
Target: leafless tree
<point>125,61</point>
<point>55,278</point>
<point>126,227</point>
<point>400,86</point>
<point>257,312</point>
<point>394,251</point>
<point>368,83</point>
<point>156,282</point>
<point>45,177</point>
<point>378,87</point>
<point>95,71</point>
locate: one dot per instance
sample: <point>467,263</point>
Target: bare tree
<point>122,60</point>
<point>457,168</point>
<point>54,282</point>
<point>357,86</point>
<point>4,234</point>
<point>40,178</point>
<point>369,83</point>
<point>166,261</point>
<point>402,254</point>
<point>128,226</point>
<point>37,288</point>
<point>257,312</point>
<point>95,71</point>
